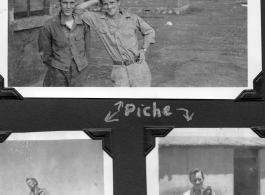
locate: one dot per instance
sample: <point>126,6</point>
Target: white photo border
<point>152,159</point>
<point>70,135</point>
<point>254,68</point>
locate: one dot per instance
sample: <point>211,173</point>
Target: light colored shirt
<point>120,39</point>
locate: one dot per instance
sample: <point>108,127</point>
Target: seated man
<point>197,178</point>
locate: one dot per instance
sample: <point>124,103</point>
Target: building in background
<point>25,17</point>
<point>201,43</point>
<point>233,165</point>
<point>25,66</point>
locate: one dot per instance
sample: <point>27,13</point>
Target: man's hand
<point>41,54</point>
<point>141,56</point>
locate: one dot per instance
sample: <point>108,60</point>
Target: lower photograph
<point>210,161</point>
<point>52,163</point>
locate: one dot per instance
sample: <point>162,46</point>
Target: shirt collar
<point>77,20</point>
<point>122,11</point>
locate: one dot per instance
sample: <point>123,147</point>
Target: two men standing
<point>64,53</point>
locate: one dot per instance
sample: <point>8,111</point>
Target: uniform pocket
<point>129,38</point>
<point>128,33</point>
<point>79,37</point>
<point>106,36</point>
<point>59,43</point>
<point>80,43</point>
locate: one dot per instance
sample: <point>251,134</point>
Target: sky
<point>60,166</point>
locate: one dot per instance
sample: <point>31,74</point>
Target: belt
<point>125,63</point>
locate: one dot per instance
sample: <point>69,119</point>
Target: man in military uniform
<point>118,29</point>
<point>62,48</point>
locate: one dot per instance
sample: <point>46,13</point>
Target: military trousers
<point>59,78</point>
<point>133,75</point>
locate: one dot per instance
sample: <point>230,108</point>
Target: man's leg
<point>139,74</point>
<point>77,78</point>
<point>55,78</point>
<point>119,76</point>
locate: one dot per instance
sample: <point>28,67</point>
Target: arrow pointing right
<point>186,115</point>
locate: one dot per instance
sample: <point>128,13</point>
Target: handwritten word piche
<point>144,111</point>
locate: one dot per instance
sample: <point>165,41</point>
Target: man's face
<point>31,184</point>
<point>111,7</point>
<point>197,180</point>
<point>67,7</point>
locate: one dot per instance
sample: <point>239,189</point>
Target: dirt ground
<point>204,47</point>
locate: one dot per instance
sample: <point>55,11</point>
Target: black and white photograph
<point>208,161</point>
<point>134,49</point>
<point>50,163</point>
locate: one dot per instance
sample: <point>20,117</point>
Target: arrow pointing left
<point>109,116</point>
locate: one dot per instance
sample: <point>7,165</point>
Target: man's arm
<point>43,192</point>
<point>149,36</point>
<point>45,46</point>
<point>147,31</point>
<point>83,6</point>
<point>89,17</point>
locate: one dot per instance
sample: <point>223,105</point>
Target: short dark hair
<point>32,179</point>
<point>194,171</point>
<point>101,1</point>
